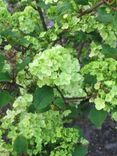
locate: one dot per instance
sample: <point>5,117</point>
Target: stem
<point>79,51</point>
<point>67,100</point>
<point>61,94</point>
<point>91,9</point>
<point>76,98</point>
<point>41,15</point>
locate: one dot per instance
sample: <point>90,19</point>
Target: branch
<point>81,14</point>
<point>41,15</point>
<point>76,98</point>
<point>79,51</point>
<point>61,94</point>
<point>59,37</point>
<point>91,9</point>
<point>11,86</point>
<point>67,100</point>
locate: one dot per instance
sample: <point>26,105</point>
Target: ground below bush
<point>103,142</point>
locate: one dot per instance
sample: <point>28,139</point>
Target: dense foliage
<point>45,132</point>
<point>58,63</point>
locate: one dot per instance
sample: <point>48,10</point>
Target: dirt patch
<point>103,142</point>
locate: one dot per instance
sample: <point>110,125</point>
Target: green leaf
<point>115,20</point>
<point>114,115</point>
<point>82,2</point>
<point>74,112</point>
<point>97,117</point>
<point>4,77</point>
<point>89,79</point>
<point>109,51</point>
<point>80,151</point>
<point>2,59</point>
<point>21,145</point>
<point>59,102</point>
<point>5,98</point>
<point>43,97</point>
<point>22,65</point>
<point>103,16</point>
<point>31,109</point>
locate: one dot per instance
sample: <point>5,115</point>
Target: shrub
<point>56,56</point>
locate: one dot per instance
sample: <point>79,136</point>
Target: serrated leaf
<point>80,151</point>
<point>5,98</point>
<point>97,117</point>
<point>21,145</point>
<point>43,97</point>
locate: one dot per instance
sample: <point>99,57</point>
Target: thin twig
<point>13,84</point>
<point>91,9</point>
<point>79,51</point>
<point>76,98</point>
<point>59,37</point>
<point>61,94</point>
<point>41,15</point>
<point>67,100</point>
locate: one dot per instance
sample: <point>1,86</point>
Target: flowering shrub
<point>57,63</point>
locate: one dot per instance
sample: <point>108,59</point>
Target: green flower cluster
<point>96,50</point>
<point>42,130</point>
<point>89,24</point>
<point>5,17</point>
<point>50,1</point>
<point>26,21</point>
<point>108,34</point>
<point>24,79</point>
<point>103,90</point>
<point>57,66</point>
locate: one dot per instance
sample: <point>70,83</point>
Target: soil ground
<point>103,142</point>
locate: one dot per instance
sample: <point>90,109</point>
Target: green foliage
<point>80,151</point>
<point>2,59</point>
<point>103,92</point>
<point>5,98</point>
<point>55,55</point>
<point>57,66</point>
<point>97,117</point>
<point>26,20</point>
<point>41,130</point>
<point>4,76</point>
<point>82,2</point>
<point>43,97</point>
<point>20,145</point>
